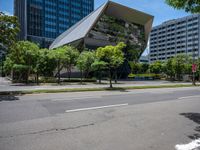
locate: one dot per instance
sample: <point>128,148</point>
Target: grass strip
<point>94,89</point>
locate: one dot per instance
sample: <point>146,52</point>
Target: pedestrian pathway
<point>6,85</point>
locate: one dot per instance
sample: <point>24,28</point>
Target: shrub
<point>145,76</point>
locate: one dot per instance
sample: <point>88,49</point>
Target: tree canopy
<point>9,28</point>
<point>192,6</point>
<point>59,55</point>
<point>73,55</point>
<point>99,66</point>
<point>85,61</point>
<point>113,56</point>
<point>45,64</point>
<point>23,55</point>
<point>156,67</point>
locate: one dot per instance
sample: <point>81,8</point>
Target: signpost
<point>194,70</point>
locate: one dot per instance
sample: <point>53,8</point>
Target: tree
<point>84,62</point>
<point>188,64</point>
<point>99,66</point>
<point>169,68</point>
<point>179,62</point>
<point>156,67</point>
<point>144,67</point>
<point>192,6</point>
<point>135,67</point>
<point>30,55</point>
<point>22,55</point>
<point>45,64</point>
<point>112,56</point>
<point>198,68</point>
<point>178,65</point>
<point>60,56</point>
<point>8,64</point>
<point>73,54</point>
<point>9,28</point>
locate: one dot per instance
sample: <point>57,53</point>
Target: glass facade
<point>175,37</point>
<point>47,19</point>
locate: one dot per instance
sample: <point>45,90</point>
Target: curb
<point>92,89</point>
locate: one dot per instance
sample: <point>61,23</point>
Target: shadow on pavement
<point>8,98</point>
<point>116,89</point>
<point>195,117</point>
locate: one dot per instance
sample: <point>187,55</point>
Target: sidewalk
<point>7,86</point>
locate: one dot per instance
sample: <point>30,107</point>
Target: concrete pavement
<point>6,85</point>
<point>156,119</point>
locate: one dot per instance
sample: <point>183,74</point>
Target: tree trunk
<point>12,75</point>
<point>81,77</point>
<point>193,79</point>
<point>199,77</point>
<point>29,70</point>
<point>59,77</point>
<point>37,78</point>
<point>100,77</point>
<point>110,78</point>
<point>58,72</point>
<point>171,77</point>
<point>28,73</point>
<point>69,73</point>
<point>115,76</point>
<point>86,73</point>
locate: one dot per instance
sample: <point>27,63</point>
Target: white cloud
<point>7,13</point>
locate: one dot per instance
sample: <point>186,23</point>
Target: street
<point>157,119</point>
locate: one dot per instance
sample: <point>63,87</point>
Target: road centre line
<point>94,108</point>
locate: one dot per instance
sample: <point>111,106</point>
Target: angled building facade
<point>41,21</point>
<point>107,25</point>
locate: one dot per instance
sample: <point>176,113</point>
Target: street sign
<point>194,68</point>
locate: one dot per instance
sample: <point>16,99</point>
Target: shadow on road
<point>8,98</point>
<point>195,117</point>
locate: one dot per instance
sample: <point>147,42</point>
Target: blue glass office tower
<point>43,20</point>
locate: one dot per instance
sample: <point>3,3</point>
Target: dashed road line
<point>94,108</point>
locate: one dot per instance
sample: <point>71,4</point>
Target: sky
<point>157,8</point>
<point>161,11</point>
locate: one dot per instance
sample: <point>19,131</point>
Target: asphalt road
<point>156,119</point>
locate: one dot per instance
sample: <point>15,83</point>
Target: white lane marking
<point>94,108</point>
<point>75,98</point>
<point>191,146</point>
<point>189,97</point>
